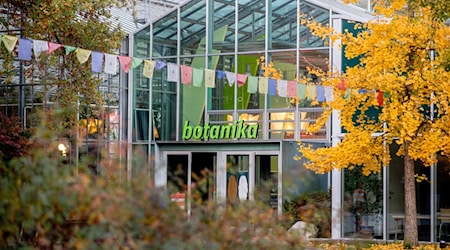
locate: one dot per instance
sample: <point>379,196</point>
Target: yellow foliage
<point>394,53</point>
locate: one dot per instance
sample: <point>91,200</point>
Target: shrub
<point>312,207</point>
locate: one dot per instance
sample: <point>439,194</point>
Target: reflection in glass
<point>363,204</point>
<point>237,179</point>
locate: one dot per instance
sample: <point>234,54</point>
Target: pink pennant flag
<point>52,47</point>
<point>241,78</point>
<point>186,74</point>
<point>291,89</point>
<point>125,62</point>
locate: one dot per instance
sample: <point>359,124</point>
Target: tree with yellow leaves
<point>403,73</point>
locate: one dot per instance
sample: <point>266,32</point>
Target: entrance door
<point>252,176</point>
<point>239,178</point>
<point>190,178</point>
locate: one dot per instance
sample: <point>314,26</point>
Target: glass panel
<point>193,19</point>
<point>223,17</point>
<point>397,198</point>
<point>165,36</point>
<point>266,180</point>
<point>177,182</point>
<point>193,98</point>
<point>307,119</point>
<point>443,199</point>
<point>363,204</point>
<point>202,178</point>
<point>251,28</point>
<point>284,24</point>
<point>320,15</point>
<point>396,210</point>
<point>237,179</point>
<point>164,104</point>
<point>222,96</point>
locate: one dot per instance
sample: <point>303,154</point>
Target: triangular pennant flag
<point>160,64</point>
<point>231,77</point>
<point>125,62</point>
<point>210,78</point>
<point>24,49</point>
<point>241,79</point>
<point>136,62</point>
<point>329,93</point>
<point>9,42</point>
<point>186,74</point>
<point>82,55</point>
<point>252,86</point>
<point>348,94</point>
<point>52,47</point>
<point>301,89</point>
<point>97,62</point>
<point>341,85</point>
<point>149,67</point>
<point>282,88</point>
<point>69,49</point>
<point>292,89</point>
<point>320,93</point>
<point>380,98</point>
<point>272,86</point>
<point>197,77</point>
<point>263,85</point>
<point>172,72</point>
<point>111,64</point>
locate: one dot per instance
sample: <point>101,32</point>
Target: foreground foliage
<point>46,204</point>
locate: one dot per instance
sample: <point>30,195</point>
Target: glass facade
<point>102,134</point>
<point>234,36</point>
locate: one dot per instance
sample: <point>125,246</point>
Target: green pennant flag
<point>69,49</point>
<point>347,94</point>
<point>136,62</point>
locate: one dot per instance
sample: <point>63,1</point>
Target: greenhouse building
<point>218,99</point>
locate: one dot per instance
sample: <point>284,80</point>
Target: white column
<point>337,177</point>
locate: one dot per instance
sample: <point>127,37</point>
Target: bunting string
<point>107,63</point>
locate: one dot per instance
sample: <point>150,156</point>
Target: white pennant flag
<point>39,46</point>
<point>329,93</point>
<point>282,88</point>
<point>231,77</point>
<point>110,64</point>
<point>172,72</point>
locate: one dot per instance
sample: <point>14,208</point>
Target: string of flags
<point>107,63</point>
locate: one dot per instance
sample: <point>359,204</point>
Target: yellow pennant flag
<point>82,55</point>
<point>149,67</point>
<point>9,42</point>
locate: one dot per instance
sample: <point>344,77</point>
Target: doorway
<point>225,178</point>
<point>190,178</point>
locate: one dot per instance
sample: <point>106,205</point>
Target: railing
<point>273,124</point>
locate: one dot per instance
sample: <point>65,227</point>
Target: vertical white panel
<point>160,169</point>
<point>251,176</point>
<point>221,178</point>
<point>336,175</point>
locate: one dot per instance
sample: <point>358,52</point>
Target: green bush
<point>312,207</point>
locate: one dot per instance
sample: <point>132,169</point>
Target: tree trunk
<point>410,231</point>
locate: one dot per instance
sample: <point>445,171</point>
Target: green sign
<point>238,130</point>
